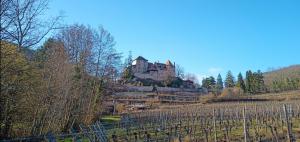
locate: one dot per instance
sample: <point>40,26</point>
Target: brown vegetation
<point>61,86</point>
<point>283,79</point>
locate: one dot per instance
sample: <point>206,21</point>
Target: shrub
<point>231,92</point>
<point>120,108</point>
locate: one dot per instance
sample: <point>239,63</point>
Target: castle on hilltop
<point>143,69</point>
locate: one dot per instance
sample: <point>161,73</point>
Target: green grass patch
<point>110,119</point>
<point>71,140</point>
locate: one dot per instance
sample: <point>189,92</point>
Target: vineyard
<point>259,121</point>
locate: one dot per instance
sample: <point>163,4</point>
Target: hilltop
<point>281,77</point>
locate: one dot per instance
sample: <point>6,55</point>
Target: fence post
<point>245,124</point>
<point>214,119</point>
<point>289,129</point>
<point>114,137</point>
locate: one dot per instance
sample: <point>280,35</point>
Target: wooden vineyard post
<point>256,116</point>
<point>206,134</point>
<point>256,128</point>
<point>169,136</point>
<point>214,119</point>
<point>135,136</point>
<point>114,137</point>
<point>245,124</point>
<point>289,129</point>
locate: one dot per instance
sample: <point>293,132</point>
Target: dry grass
<point>283,96</point>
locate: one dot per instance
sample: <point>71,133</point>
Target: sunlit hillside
<point>282,74</point>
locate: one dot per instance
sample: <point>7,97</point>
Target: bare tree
<point>70,74</point>
<point>21,21</point>
<point>52,105</point>
<point>78,41</point>
<point>179,71</point>
<point>106,61</point>
<point>107,58</point>
<point>192,77</point>
<point>95,62</point>
<point>6,17</point>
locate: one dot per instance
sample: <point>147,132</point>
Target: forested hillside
<point>283,79</point>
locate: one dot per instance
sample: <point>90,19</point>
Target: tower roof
<point>141,58</point>
<point>169,63</point>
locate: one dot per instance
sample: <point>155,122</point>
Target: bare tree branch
<point>22,24</point>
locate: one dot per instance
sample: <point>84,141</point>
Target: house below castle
<point>143,69</point>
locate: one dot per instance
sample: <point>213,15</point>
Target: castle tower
<point>141,64</point>
<point>170,68</point>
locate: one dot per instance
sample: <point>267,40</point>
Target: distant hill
<point>281,74</point>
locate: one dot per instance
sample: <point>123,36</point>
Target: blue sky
<point>206,37</point>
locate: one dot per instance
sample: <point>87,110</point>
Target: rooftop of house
<point>169,63</point>
<point>141,58</point>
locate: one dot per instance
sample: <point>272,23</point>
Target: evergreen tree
<point>205,83</point>
<point>212,81</point>
<point>209,83</point>
<point>255,82</point>
<point>260,82</point>
<point>229,81</point>
<point>240,82</point>
<point>220,82</point>
<point>249,81</point>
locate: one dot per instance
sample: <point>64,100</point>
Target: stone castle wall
<point>159,75</point>
<point>159,89</point>
<point>157,71</point>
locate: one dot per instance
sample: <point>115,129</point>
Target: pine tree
<point>212,81</point>
<point>219,83</point>
<point>260,82</point>
<point>248,83</point>
<point>212,85</point>
<point>255,82</point>
<point>240,82</point>
<point>229,81</point>
<point>209,83</point>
